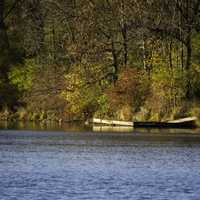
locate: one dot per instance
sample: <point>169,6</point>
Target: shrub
<point>128,93</point>
<point>83,87</point>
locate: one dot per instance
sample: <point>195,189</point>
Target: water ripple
<point>75,166</point>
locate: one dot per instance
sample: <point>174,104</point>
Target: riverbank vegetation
<point>72,60</point>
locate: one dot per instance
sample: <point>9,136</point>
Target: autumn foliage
<point>130,89</point>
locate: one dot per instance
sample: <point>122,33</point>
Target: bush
<point>22,75</point>
<point>167,93</point>
<point>83,87</point>
<point>128,93</point>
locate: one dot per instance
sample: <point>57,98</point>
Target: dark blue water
<point>52,165</point>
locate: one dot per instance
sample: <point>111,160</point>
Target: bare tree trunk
<point>144,53</point>
<point>124,33</point>
<point>188,65</point>
<point>170,56</point>
<point>125,43</point>
<point>115,61</point>
<point>4,44</point>
<point>189,50</point>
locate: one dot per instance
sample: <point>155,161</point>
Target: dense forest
<point>117,59</point>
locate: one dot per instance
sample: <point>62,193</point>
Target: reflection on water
<point>81,164</point>
<point>81,127</point>
<point>112,128</point>
<point>75,126</point>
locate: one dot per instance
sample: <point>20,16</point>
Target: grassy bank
<point>125,113</point>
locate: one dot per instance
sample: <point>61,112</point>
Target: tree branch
<point>11,9</point>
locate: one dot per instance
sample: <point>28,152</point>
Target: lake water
<point>76,163</point>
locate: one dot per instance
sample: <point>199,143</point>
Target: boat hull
<point>190,124</point>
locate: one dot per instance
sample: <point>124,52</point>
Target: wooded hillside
<point>122,59</point>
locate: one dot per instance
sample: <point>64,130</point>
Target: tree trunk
<point>188,65</point>
<point>115,62</point>
<point>125,43</point>
<point>4,44</point>
<point>124,33</point>
<point>189,50</point>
